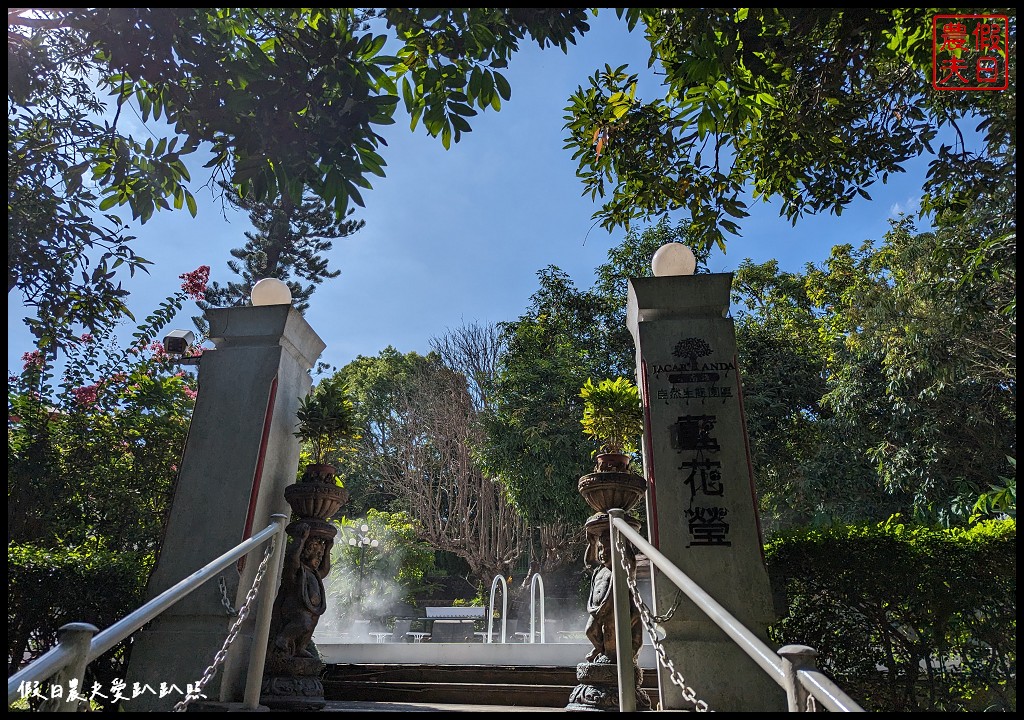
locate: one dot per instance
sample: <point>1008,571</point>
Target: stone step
<point>478,684</point>
<point>452,693</point>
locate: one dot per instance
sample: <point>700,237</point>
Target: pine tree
<point>289,242</point>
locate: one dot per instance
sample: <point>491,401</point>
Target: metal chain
<point>224,600</point>
<point>649,620</point>
<point>671,611</point>
<point>219,658</point>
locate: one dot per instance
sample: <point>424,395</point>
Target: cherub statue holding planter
<point>301,599</point>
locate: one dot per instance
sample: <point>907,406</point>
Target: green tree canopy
<point>534,442</point>
<point>290,239</point>
<point>288,97</point>
<point>63,249</point>
<point>417,454</point>
<point>808,106</point>
<point>882,381</point>
<point>287,100</point>
<point>377,383</point>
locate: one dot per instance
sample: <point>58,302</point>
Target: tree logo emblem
<point>692,348</point>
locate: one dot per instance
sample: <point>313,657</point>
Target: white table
<point>457,612</point>
<point>571,635</point>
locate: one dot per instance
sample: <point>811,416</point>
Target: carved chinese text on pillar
<point>689,376</point>
<point>697,376</point>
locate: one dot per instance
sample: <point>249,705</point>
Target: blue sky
<point>458,236</point>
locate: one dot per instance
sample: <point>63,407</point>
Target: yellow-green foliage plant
<point>612,415</point>
<point>328,422</point>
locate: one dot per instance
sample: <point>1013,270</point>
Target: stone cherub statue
<point>600,604</point>
<point>301,599</point>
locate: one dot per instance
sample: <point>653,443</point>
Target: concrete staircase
<point>513,685</point>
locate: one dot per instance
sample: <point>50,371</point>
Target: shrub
<point>905,618</point>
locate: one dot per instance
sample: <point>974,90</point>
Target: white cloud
<point>909,207</point>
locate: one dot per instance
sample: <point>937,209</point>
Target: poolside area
<point>556,654</point>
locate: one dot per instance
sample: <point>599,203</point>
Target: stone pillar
<point>239,456</point>
<point>702,510</point>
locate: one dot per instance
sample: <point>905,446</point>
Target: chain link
<point>671,611</point>
<point>224,600</point>
<point>649,621</point>
<point>222,654</point>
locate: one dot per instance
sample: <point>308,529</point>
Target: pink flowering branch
<point>194,283</point>
<point>32,359</point>
<point>86,395</point>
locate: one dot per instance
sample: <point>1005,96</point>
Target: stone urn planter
<point>605,489</point>
<point>316,495</point>
<point>291,676</point>
<point>612,416</point>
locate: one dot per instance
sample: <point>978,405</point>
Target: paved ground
<point>360,706</point>
<point>370,706</point>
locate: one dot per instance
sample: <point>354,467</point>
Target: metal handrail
<point>504,609</point>
<point>791,667</point>
<point>65,654</point>
<point>537,580</point>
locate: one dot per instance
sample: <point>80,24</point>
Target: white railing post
<point>623,627</point>
<point>534,583</point>
<point>79,643</point>
<point>77,637</point>
<point>261,633</point>
<point>504,608</point>
<point>794,659</point>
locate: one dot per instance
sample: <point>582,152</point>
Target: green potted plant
<point>328,425</point>
<point>613,417</point>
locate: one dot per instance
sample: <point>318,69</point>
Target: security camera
<point>178,341</point>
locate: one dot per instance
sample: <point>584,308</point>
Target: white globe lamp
<point>271,291</point>
<point>673,259</point>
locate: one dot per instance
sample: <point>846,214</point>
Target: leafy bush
<point>91,462</point>
<point>47,589</point>
<point>905,618</point>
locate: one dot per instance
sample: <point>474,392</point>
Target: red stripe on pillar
<point>652,495</point>
<point>258,475</point>
<point>750,463</point>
